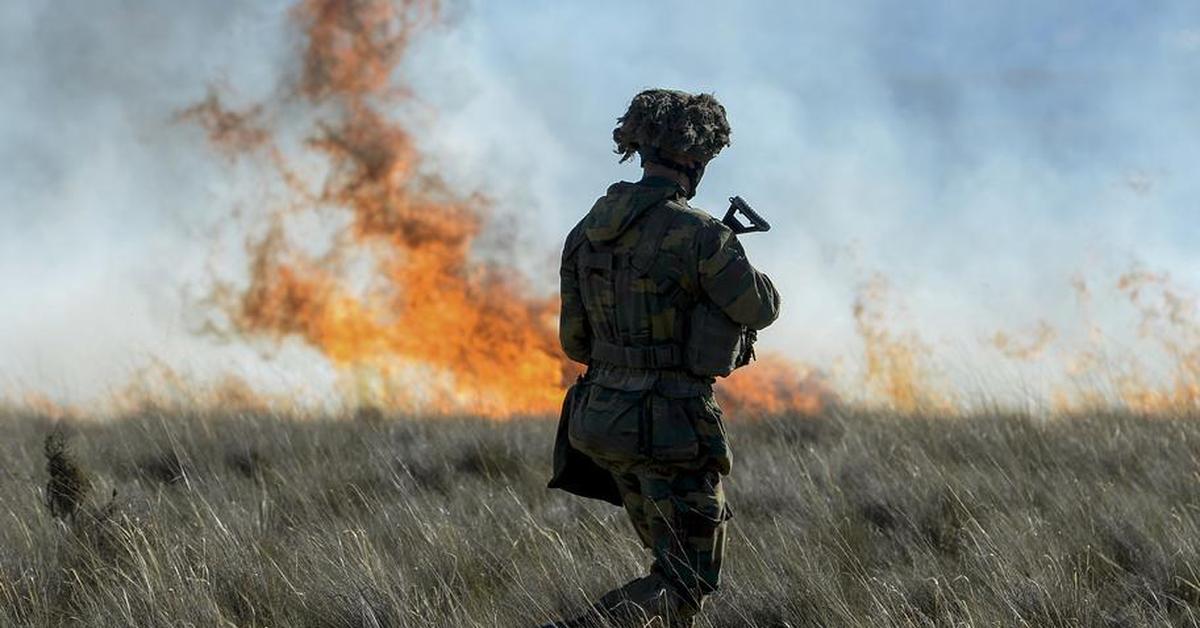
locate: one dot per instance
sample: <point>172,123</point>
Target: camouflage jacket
<point>634,267</point>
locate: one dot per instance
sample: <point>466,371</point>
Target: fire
<point>156,387</point>
<point>1169,320</point>
<point>1032,348</point>
<point>159,386</point>
<point>774,385</point>
<point>1104,374</point>
<point>437,330</point>
<point>896,367</point>
<point>413,319</point>
<point>432,306</point>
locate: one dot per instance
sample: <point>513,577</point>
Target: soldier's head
<point>674,130</point>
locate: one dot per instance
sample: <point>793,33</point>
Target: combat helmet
<point>672,128</point>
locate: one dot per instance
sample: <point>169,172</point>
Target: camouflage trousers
<point>681,517</point>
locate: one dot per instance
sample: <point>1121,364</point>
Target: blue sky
<point>977,153</point>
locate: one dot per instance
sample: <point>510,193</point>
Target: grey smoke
<point>979,154</point>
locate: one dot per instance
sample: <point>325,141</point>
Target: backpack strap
<point>657,225</point>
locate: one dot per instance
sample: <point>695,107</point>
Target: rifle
<point>743,337</point>
<point>737,205</point>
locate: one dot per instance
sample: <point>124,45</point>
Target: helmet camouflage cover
<point>688,126</point>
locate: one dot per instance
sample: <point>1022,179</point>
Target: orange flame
<point>472,332</point>
<point>1033,347</point>
<point>1169,319</point>
<point>896,367</point>
<point>438,330</point>
<point>774,385</point>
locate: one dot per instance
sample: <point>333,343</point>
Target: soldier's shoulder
<point>695,218</point>
<point>575,238</point>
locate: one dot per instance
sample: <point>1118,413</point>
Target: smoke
<point>979,156</point>
<point>106,206</point>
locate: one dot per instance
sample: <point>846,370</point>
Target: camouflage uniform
<point>631,272</point>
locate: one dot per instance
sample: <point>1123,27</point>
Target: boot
<point>635,603</point>
<point>681,610</point>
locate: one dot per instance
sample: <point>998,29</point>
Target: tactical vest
<point>644,310</point>
<point>634,297</point>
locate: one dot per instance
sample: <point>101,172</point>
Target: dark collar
<point>657,181</point>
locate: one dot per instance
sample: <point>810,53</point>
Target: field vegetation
<point>853,518</point>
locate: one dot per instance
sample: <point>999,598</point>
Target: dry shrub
<point>68,486</point>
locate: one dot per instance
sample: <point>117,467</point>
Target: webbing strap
<point>652,357</point>
<point>651,239</point>
<point>596,260</point>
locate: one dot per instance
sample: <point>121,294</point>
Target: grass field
<point>853,519</point>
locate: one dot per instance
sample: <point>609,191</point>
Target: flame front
<point>430,306</point>
<point>774,385</point>
<point>438,330</point>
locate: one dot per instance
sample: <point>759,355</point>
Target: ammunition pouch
<point>574,472</point>
<point>716,345</point>
<point>634,426</point>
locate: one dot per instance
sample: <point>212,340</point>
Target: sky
<point>977,154</point>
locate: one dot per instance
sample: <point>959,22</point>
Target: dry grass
<point>856,519</point>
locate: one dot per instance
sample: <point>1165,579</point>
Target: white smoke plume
<point>980,155</point>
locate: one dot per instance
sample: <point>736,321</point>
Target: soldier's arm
<point>574,333</point>
<point>746,295</point>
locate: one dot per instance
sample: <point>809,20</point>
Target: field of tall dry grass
<point>849,519</point>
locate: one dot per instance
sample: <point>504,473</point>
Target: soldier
<point>638,274</point>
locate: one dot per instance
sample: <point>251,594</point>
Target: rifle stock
<point>755,222</point>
